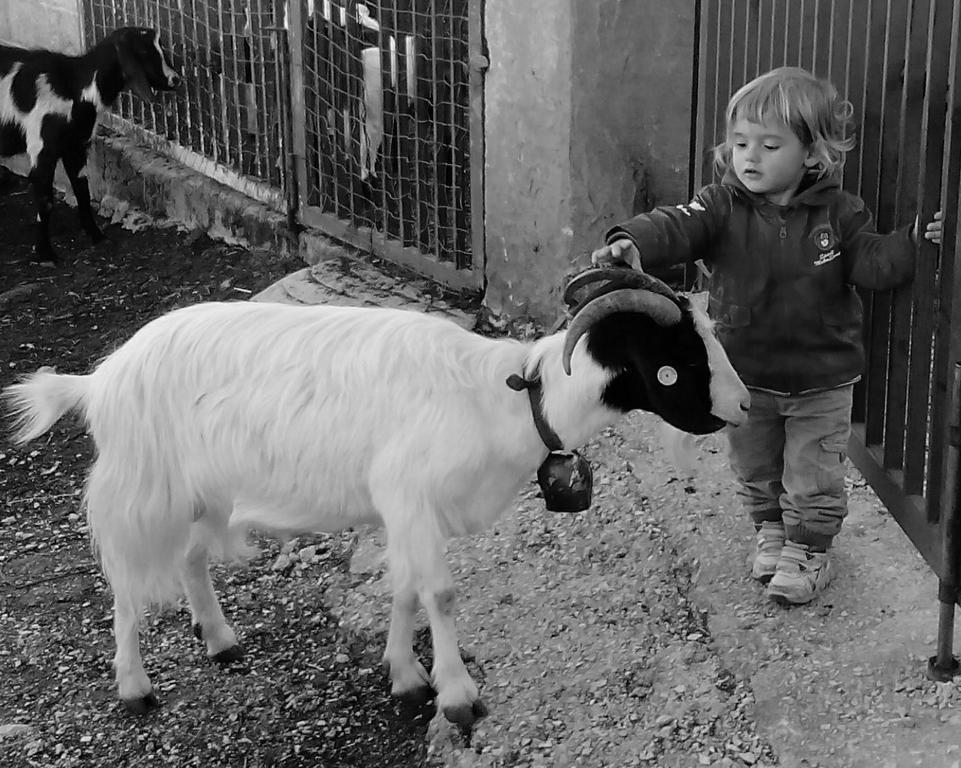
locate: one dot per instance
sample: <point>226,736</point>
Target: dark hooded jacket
<point>782,289</point>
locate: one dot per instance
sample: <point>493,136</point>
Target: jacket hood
<point>813,191</point>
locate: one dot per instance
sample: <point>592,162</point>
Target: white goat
<point>225,417</point>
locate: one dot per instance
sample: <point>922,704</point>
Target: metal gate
<point>897,62</point>
<point>387,126</point>
<point>363,119</point>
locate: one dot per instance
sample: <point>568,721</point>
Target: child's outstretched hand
<point>620,253</point>
<point>932,231</point>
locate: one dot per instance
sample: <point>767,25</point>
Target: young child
<point>785,247</point>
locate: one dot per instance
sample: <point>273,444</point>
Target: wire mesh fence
<point>229,52</point>
<point>373,99</point>
<point>386,97</point>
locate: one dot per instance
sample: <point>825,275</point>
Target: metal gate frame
<point>906,437</point>
<point>468,275</point>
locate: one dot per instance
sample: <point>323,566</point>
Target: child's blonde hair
<point>809,106</point>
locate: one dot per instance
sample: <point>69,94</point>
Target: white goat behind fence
<point>220,418</point>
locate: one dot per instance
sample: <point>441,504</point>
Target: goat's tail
<point>41,399</point>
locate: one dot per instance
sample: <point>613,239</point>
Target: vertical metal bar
<point>452,158</point>
<point>477,57</point>
<point>879,332</point>
<point>920,452</point>
<point>435,170</point>
<point>738,26</point>
<point>903,210</point>
<point>697,91</point>
<point>295,34</point>
<point>779,33</point>
<point>388,118</point>
<point>947,337</point>
<point>707,114</point>
<point>944,666</point>
<point>751,24</point>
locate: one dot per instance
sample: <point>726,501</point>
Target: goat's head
<point>660,347</point>
<point>146,66</point>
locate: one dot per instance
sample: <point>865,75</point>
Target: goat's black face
<point>662,369</point>
<point>146,66</point>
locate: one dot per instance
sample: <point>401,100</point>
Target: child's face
<point>769,159</point>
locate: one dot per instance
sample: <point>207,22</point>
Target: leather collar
<point>534,389</point>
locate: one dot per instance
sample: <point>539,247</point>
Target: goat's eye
<point>667,375</point>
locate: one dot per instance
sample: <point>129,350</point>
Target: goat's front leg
<point>409,680</point>
<point>41,182</point>
<point>74,163</point>
<point>417,561</point>
<point>208,619</point>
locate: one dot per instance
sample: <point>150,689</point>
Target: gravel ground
<point>628,635</point>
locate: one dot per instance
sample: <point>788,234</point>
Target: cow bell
<point>566,480</point>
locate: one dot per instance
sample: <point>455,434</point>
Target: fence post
<point>298,110</point>
<point>944,665</point>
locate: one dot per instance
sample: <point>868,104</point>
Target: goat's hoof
<point>416,698</point>
<point>465,715</point>
<point>228,655</point>
<point>142,705</point>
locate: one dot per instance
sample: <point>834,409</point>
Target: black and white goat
<point>224,417</point>
<point>49,104</point>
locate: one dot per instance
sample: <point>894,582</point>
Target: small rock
<point>13,730</point>
<point>663,720</point>
<point>282,563</point>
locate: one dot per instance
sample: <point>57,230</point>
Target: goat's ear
<point>134,77</point>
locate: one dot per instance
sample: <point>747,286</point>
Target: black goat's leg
<point>41,182</point>
<point>74,163</point>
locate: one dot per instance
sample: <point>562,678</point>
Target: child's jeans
<point>789,462</point>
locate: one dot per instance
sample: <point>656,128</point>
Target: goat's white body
<point>223,417</point>
<point>295,420</point>
<point>47,103</point>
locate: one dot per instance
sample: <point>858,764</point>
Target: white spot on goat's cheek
<point>667,376</point>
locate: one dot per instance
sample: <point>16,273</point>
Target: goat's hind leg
<point>209,623</point>
<point>133,685</point>
<point>41,182</point>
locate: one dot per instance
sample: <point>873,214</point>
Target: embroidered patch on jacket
<point>824,258</point>
<point>824,238</point>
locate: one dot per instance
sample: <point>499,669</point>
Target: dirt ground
<point>628,635</point>
<point>309,693</point>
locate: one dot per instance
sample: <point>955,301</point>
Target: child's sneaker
<point>767,550</point>
<point>801,575</point>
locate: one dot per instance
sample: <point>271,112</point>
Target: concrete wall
<point>528,137</point>
<point>53,24</point>
<point>588,109</point>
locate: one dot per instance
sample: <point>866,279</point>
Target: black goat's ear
<point>134,77</point>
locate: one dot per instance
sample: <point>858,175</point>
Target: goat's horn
<point>621,277</point>
<point>661,309</point>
